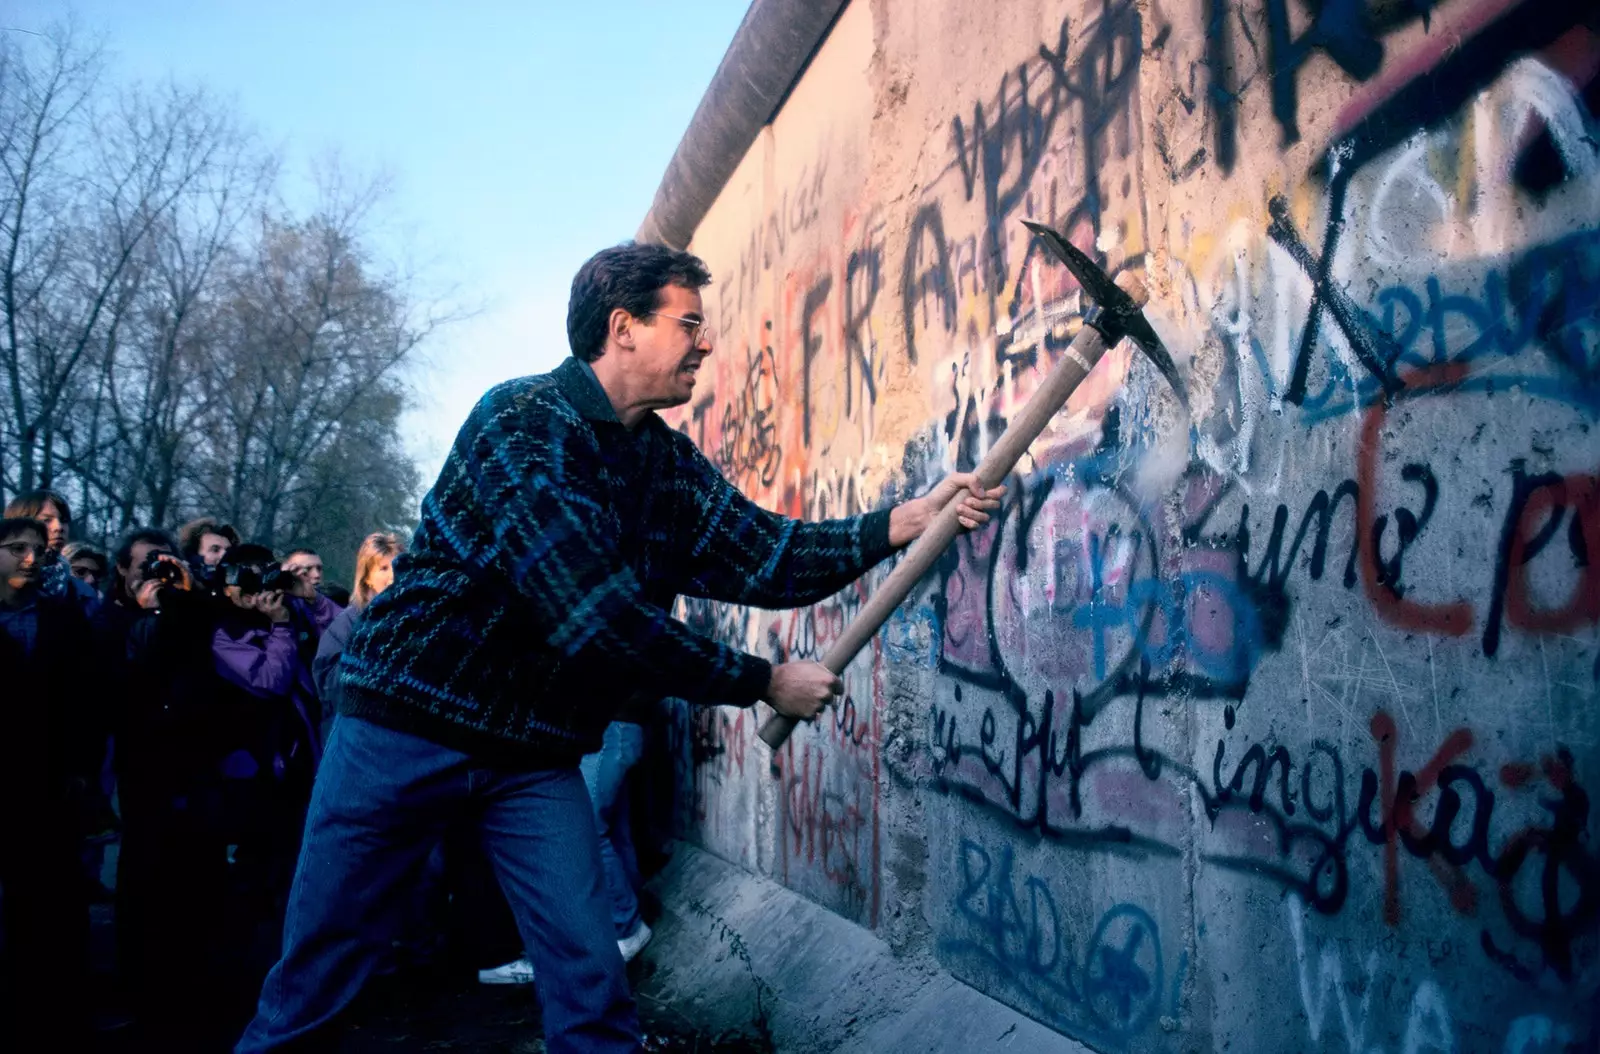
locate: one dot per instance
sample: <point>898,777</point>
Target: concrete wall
<point>1264,727</point>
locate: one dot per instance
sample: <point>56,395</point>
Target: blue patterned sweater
<point>536,596</point>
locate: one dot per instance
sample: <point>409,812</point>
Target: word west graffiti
<point>1323,984</point>
<point>1328,991</point>
<point>830,826</point>
<point>1111,989</point>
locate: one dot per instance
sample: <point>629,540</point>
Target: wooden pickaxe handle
<point>1086,349</point>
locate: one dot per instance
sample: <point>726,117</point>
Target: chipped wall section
<point>1267,726</point>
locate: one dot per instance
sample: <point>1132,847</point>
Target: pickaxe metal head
<point>1117,316</point>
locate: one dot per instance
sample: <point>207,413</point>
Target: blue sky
<point>521,137</point>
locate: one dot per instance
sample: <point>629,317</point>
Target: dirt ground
<point>435,1011</point>
<point>461,1015</point>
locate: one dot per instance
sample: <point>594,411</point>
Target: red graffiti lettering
<point>1542,513</point>
<point>1398,814</point>
<point>1451,620</point>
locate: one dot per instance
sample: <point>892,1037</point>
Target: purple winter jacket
<point>321,609</point>
<point>265,661</point>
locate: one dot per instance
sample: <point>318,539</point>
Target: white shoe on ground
<point>634,943</point>
<point>517,972</point>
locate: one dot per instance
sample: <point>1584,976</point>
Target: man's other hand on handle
<point>801,689</point>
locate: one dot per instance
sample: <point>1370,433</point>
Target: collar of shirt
<point>579,384</point>
<point>582,387</point>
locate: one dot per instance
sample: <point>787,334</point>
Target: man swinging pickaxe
<point>1116,311</point>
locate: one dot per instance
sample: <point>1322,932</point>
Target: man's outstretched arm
<point>543,491</point>
<point>540,492</point>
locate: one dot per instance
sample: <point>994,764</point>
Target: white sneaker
<point>518,972</point>
<point>634,943</point>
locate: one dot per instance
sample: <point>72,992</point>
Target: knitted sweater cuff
<point>875,545</point>
<point>752,682</point>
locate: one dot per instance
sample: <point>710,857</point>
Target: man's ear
<point>619,328</point>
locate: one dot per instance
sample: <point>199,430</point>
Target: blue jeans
<point>605,773</point>
<point>381,803</point>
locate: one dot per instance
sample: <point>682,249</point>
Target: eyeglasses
<point>697,328</point>
<point>18,550</point>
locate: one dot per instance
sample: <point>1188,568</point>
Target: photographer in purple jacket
<point>267,717</point>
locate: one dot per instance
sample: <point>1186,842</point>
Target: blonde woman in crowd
<point>374,573</point>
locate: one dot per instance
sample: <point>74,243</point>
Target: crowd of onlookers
<point>171,697</point>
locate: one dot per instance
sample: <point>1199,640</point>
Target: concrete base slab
<point>738,954</point>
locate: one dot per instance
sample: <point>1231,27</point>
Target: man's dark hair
<point>189,534</point>
<point>302,549</point>
<point>32,503</point>
<point>630,276</point>
<point>12,526</point>
<point>150,536</point>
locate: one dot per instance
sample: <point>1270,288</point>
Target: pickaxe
<point>1116,311</point>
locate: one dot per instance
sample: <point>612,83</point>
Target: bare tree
<point>151,392</point>
<point>84,187</point>
<point>174,340</point>
<point>317,338</point>
<point>45,90</point>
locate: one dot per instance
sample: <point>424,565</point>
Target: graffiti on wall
<point>1111,980</point>
<point>1334,636</point>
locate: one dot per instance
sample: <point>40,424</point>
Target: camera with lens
<point>207,579</point>
<point>250,580</point>
<point>163,567</point>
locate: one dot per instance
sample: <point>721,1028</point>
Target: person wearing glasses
<point>48,780</point>
<point>535,600</point>
<point>53,513</point>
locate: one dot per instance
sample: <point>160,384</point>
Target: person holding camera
<point>257,649</point>
<point>306,567</point>
<point>172,870</point>
<point>261,650</point>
